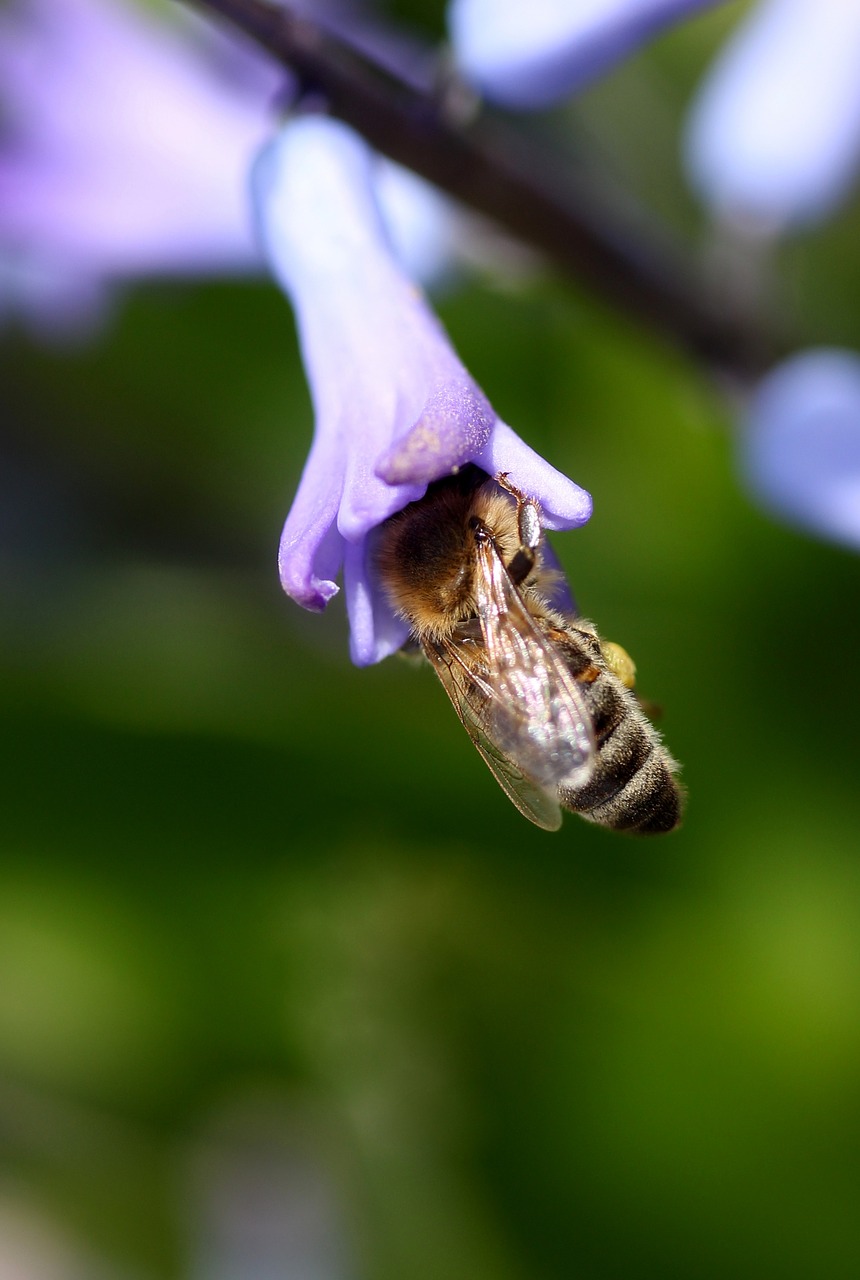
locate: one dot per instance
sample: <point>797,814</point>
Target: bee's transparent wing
<point>537,714</point>
<point>471,698</point>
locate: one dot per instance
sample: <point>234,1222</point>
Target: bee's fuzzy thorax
<point>425,555</point>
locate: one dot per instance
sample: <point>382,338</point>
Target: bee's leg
<point>528,525</point>
<point>470,629</point>
<point>521,565</point>
<point>504,483</point>
<point>528,514</point>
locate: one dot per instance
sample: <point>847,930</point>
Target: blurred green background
<point>273,942</point>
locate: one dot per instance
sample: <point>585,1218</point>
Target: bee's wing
<point>471,697</point>
<point>538,717</point>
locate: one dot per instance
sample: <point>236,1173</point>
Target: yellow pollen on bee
<point>619,662</point>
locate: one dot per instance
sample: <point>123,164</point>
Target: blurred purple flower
<point>534,53</point>
<point>124,148</point>
<point>125,145</point>
<point>395,408</point>
<point>774,134</point>
<point>800,452</point>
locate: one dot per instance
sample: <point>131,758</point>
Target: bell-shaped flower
<point>530,55</point>
<point>395,409</point>
<point>773,138</point>
<point>800,450</point>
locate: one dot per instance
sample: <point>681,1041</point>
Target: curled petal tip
<point>564,505</point>
<point>313,595</point>
<point>580,507</point>
<point>307,567</point>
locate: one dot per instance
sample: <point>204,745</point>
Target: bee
<point>548,704</point>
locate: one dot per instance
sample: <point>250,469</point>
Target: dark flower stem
<point>487,166</point>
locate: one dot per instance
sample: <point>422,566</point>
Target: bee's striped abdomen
<point>632,786</point>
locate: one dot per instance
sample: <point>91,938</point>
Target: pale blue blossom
<point>800,448</point>
<point>395,409</point>
<point>774,133</point>
<point>532,53</point>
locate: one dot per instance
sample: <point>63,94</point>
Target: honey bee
<point>547,703</point>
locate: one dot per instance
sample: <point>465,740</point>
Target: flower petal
<point>374,632</point>
<point>563,504</point>
<point>311,552</point>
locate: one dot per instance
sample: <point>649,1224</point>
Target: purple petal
<point>774,134</point>
<point>563,504</point>
<point>532,53</point>
<point>800,453</point>
<point>310,551</point>
<point>374,632</point>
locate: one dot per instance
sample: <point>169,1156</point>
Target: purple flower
<point>124,153</point>
<point>800,452</point>
<point>125,144</point>
<point>774,135</point>
<point>395,408</point>
<point>532,53</point>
